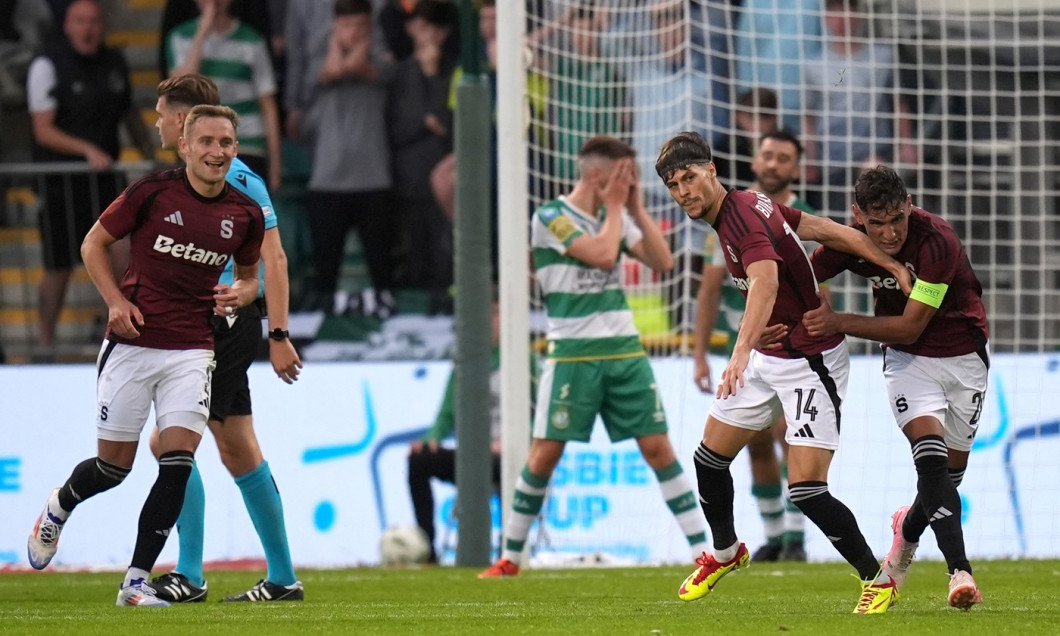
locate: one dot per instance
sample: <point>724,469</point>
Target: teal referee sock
<point>191,528</point>
<point>262,499</point>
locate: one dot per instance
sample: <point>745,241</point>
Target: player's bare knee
<point>657,451</point>
<point>116,453</point>
<point>759,449</point>
<point>544,455</point>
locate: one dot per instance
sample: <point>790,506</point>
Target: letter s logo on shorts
<point>188,252</point>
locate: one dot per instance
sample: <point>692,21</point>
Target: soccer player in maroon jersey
<point>935,361</point>
<point>804,378</point>
<point>184,225</point>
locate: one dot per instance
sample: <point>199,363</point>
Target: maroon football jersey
<point>751,227</point>
<point>180,242</point>
<point>931,252</point>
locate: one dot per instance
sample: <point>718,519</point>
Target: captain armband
<point>930,294</point>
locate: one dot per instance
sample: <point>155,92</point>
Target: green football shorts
<point>623,391</point>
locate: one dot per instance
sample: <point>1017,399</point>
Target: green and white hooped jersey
<point>588,316</point>
<point>238,62</point>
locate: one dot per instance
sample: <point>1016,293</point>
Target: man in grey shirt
<point>344,119</point>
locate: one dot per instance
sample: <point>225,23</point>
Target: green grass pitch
<point>814,599</point>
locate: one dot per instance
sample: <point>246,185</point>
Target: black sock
<point>162,507</point>
<point>716,495</point>
<point>88,479</point>
<point>837,523</point>
<point>939,501</point>
<point>916,522</point>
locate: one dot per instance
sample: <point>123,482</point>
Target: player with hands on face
<point>596,364</point>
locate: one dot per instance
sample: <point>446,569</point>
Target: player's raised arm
<point>846,239</point>
<point>602,250</point>
<point>652,249</point>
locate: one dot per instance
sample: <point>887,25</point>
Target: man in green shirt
<point>428,459</point>
<point>596,364</point>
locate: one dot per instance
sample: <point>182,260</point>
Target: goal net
<point>961,96</point>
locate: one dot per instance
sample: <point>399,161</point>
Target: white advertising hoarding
<point>337,442</point>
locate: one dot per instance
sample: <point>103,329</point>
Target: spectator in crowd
<point>668,81</point>
<point>23,27</point>
<point>350,185</point>
<point>669,88</point>
<point>78,94</point>
<point>393,24</point>
<point>755,115</point>
<point>720,307</point>
<point>420,126</point>
<point>774,39</point>
<point>254,13</point>
<point>583,88</point>
<point>236,57</point>
<point>265,16</point>
<point>428,459</point>
<point>855,116</point>
<point>443,176</point>
<point>307,32</point>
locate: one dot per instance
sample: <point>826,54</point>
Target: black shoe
<point>176,588</point>
<point>792,552</point>
<point>265,591</point>
<point>768,553</point>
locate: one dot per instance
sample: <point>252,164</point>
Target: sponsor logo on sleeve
<point>562,228</point>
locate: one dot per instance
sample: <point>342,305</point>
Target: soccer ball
<point>404,545</point>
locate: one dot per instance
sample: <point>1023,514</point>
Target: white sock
<point>54,509</point>
<point>133,574</point>
<point>728,554</point>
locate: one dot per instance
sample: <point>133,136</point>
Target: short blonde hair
<point>209,110</point>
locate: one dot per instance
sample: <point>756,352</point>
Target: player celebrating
<point>184,226</point>
<point>935,361</point>
<point>804,379</point>
<point>236,343</point>
<point>596,363</point>
<point>720,305</point>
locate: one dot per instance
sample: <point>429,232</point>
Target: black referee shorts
<point>235,347</point>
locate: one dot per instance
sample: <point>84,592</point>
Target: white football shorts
<point>131,379</point>
<point>951,390</point>
<point>808,392</point>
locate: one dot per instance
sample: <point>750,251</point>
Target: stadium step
<point>81,321</point>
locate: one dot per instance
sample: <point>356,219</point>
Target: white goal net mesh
<point>962,96</point>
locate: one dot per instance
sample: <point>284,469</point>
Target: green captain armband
<point>929,293</point>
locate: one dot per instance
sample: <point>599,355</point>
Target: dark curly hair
<point>880,189</point>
